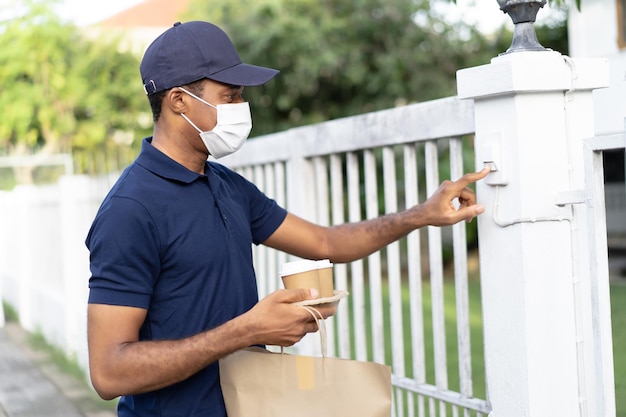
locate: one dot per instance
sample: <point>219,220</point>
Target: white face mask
<point>234,124</point>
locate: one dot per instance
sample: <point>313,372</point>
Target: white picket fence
<point>44,264</point>
<point>343,170</point>
<point>400,304</point>
<point>362,167</point>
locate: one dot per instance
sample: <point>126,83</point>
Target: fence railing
<point>544,271</point>
<point>361,167</point>
<point>408,304</point>
<point>601,346</point>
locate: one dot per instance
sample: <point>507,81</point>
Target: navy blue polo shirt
<point>179,244</point>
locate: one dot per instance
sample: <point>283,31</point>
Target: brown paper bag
<point>259,383</point>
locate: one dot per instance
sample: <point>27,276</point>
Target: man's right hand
<point>275,320</point>
<point>121,364</point>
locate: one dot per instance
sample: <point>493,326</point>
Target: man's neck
<point>180,150</point>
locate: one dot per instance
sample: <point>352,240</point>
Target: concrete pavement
<point>32,385</point>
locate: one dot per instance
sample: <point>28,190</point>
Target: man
<point>172,287</point>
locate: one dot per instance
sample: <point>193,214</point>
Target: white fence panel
<point>348,170</point>
<point>44,264</point>
<point>352,171</point>
<point>343,170</point>
<point>597,371</point>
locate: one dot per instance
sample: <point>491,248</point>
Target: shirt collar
<point>162,165</point>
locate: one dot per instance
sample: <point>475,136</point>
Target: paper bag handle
<point>321,326</point>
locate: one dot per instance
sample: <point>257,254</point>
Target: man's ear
<point>175,100</point>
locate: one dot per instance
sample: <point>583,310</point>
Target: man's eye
<point>235,92</point>
<point>231,97</point>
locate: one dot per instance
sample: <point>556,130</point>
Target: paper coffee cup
<point>325,274</point>
<point>301,274</point>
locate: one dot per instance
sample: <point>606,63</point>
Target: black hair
<point>156,99</point>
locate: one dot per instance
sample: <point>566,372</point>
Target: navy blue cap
<point>191,51</point>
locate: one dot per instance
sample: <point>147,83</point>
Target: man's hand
<point>439,209</point>
<point>351,241</point>
<point>276,321</point>
<point>120,364</point>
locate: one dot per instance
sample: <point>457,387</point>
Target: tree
<point>61,91</point>
<point>340,58</point>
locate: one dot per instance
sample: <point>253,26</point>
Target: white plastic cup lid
<point>297,267</point>
<point>324,263</point>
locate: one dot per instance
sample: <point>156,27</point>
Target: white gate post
<point>532,276</point>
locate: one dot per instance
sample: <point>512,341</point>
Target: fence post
<point>532,110</point>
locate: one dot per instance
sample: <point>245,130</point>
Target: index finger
<point>472,177</point>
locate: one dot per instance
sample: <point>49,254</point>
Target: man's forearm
<point>348,242</point>
<point>122,365</point>
<point>142,366</point>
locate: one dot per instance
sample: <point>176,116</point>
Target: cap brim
<point>244,74</point>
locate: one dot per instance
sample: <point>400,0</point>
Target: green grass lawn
<point>618,308</point>
<point>476,336</point>
<point>618,316</point>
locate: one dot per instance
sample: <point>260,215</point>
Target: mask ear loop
<point>191,123</point>
<point>200,99</point>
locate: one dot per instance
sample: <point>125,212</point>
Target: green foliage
<point>558,3</point>
<point>33,62</point>
<point>10,313</point>
<point>618,317</point>
<point>63,91</point>
<point>67,364</point>
<point>67,367</point>
<point>451,348</point>
<point>342,58</point>
<point>618,313</point>
<point>563,3</point>
<point>552,35</point>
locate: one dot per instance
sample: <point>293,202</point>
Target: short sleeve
<point>266,217</point>
<point>124,254</point>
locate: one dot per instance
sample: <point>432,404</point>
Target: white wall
<point>593,34</point>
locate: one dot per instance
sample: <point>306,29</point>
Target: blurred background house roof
<point>150,13</point>
<point>142,23</point>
